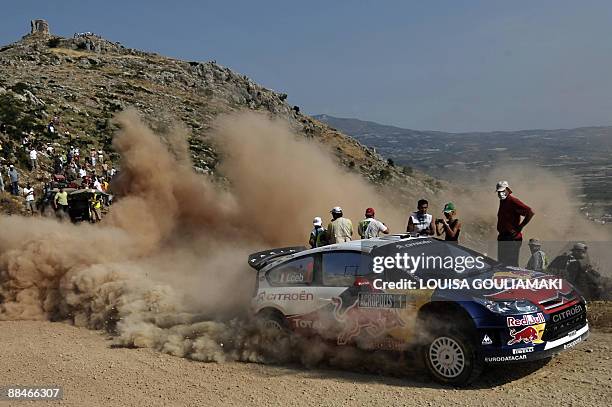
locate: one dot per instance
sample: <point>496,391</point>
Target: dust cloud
<point>553,196</point>
<point>166,268</point>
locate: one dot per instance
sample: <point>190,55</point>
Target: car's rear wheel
<point>272,322</point>
<point>452,358</point>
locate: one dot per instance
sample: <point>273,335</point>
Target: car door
<point>290,289</point>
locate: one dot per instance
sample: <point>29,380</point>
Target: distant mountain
<point>584,151</point>
<point>85,80</point>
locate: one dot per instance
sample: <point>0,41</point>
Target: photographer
<point>451,227</point>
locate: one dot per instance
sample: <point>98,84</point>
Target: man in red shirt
<point>509,224</point>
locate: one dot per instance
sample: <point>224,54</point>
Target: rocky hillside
<point>84,81</point>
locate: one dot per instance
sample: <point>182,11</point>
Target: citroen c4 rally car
<point>337,293</point>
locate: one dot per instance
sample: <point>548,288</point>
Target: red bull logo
<point>375,321</point>
<point>525,335</point>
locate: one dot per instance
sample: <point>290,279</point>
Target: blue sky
<point>439,65</point>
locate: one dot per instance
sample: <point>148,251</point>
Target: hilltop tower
<point>39,27</point>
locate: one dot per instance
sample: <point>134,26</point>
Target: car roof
<point>362,246</point>
<point>366,245</point>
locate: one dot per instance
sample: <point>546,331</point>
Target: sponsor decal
<point>291,277</point>
<point>375,321</point>
<point>297,296</point>
<point>306,323</point>
<point>385,343</point>
<point>528,335</point>
<point>379,300</point>
<point>576,309</point>
<point>505,358</point>
<point>548,298</point>
<point>486,340</point>
<point>525,320</point>
<point>572,343</point>
<point>520,351</point>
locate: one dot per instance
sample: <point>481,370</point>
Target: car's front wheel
<point>451,358</point>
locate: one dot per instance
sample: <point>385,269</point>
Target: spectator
<point>95,206</point>
<point>582,275</point>
<point>100,156</point>
<point>340,228</point>
<point>14,178</point>
<point>92,157</point>
<point>33,158</point>
<point>1,181</point>
<point>82,172</point>
<point>449,225</point>
<point>420,222</point>
<point>318,235</point>
<point>28,192</point>
<point>60,202</point>
<point>538,260</point>
<point>510,225</point>
<point>97,185</point>
<point>371,227</point>
<point>58,166</point>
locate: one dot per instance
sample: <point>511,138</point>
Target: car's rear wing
<point>260,259</point>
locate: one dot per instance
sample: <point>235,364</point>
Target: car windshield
<point>431,258</point>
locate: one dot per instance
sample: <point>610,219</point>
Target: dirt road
<point>93,373</point>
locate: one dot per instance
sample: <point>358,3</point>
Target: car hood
<point>548,299</point>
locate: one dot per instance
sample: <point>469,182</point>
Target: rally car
<point>458,326</point>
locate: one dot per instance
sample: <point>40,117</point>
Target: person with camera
<point>449,225</point>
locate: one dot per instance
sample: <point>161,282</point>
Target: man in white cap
<point>340,228</point>
<point>538,260</point>
<point>318,235</point>
<point>510,225</point>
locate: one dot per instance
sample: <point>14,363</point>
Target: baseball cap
<point>336,209</point>
<point>449,207</point>
<point>501,186</point>
<point>534,242</point>
<point>579,246</point>
<point>369,212</point>
<point>317,221</point>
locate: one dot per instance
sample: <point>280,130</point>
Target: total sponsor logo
<point>307,324</point>
<point>510,358</point>
<point>525,320</point>
<point>576,309</point>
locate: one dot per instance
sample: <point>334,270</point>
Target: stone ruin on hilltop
<point>39,27</point>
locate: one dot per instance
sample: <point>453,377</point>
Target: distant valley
<point>585,152</point>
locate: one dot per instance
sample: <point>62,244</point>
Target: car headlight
<point>508,307</point>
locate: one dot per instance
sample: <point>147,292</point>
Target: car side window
<point>294,272</point>
<point>340,269</point>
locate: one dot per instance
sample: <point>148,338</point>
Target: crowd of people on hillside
<point>512,217</point>
<point>69,168</point>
